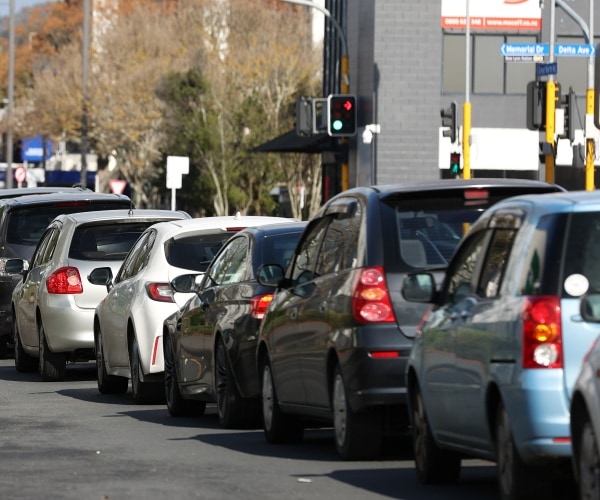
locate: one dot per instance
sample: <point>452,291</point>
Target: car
<point>334,342</point>
<point>585,410</point>
<point>495,359</point>
<point>23,219</point>
<point>217,329</point>
<point>14,192</point>
<point>128,323</point>
<point>53,306</point>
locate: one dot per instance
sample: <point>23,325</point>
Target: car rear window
<point>106,241</point>
<point>278,249</point>
<point>195,252</point>
<point>26,225</point>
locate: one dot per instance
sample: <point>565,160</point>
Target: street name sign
<point>574,49</point>
<point>544,69</point>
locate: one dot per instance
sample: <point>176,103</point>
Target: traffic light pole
<point>466,138</point>
<point>590,150</point>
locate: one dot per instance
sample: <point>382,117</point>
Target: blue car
<point>495,359</point>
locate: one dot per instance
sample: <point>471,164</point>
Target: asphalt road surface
<point>66,440</point>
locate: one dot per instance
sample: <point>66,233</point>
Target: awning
<point>291,142</point>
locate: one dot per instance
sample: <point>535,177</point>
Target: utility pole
<point>84,91</point>
<point>11,95</point>
<point>549,146</point>
<point>466,138</point>
<point>590,149</point>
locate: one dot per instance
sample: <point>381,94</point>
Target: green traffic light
<point>337,125</point>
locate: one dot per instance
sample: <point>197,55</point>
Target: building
<point>408,60</point>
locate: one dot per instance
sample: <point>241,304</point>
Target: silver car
<point>53,305</point>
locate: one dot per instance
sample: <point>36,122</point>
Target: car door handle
<point>293,313</point>
<point>323,307</point>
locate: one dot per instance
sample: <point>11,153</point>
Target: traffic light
<point>449,121</point>
<point>341,115</point>
<point>455,163</point>
<point>568,103</point>
<point>536,105</point>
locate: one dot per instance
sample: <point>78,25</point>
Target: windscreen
<point>195,252</point>
<point>108,241</point>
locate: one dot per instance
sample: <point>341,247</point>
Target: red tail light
<point>542,333</point>
<point>160,292</point>
<point>371,299</point>
<point>65,280</point>
<point>260,304</point>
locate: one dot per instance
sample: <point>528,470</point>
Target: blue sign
<point>33,149</point>
<point>543,69</point>
<point>524,49</point>
<point>574,49</point>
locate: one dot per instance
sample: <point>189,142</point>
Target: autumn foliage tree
<point>207,79</point>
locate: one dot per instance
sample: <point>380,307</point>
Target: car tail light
<point>371,299</point>
<point>542,334</point>
<point>160,292</point>
<point>65,280</point>
<point>260,304</point>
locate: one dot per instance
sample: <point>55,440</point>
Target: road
<point>66,440</point>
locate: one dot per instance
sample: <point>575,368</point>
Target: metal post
<point>590,152</point>
<point>84,91</point>
<point>466,138</point>
<point>11,96</point>
<point>550,103</point>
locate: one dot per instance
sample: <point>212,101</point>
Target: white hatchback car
<point>128,325</point>
<point>53,305</point>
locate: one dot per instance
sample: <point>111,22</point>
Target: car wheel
<point>357,435</point>
<point>234,410</point>
<point>433,465</point>
<point>176,404</point>
<point>143,392</point>
<point>52,365</point>
<point>516,480</point>
<point>587,461</point>
<point>107,384</point>
<point>24,363</point>
<point>278,427</point>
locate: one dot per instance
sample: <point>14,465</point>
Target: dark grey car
<point>335,341</point>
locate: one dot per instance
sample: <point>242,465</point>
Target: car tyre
<point>433,465</point>
<point>107,384</point>
<point>176,404</point>
<point>587,461</point>
<point>278,427</point>
<point>143,392</point>
<point>516,480</point>
<point>357,435</point>
<point>24,363</point>
<point>234,411</point>
<point>52,365</point>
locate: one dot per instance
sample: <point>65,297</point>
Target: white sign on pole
<point>176,166</point>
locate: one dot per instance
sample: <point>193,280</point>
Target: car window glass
<point>228,267</point>
<point>495,263</point>
<point>38,257</point>
<point>106,241</point>
<point>542,263</point>
<point>339,248</point>
<point>126,270</point>
<point>144,254</point>
<point>279,249</point>
<point>582,255</point>
<point>460,274</point>
<point>197,251</point>
<point>303,268</point>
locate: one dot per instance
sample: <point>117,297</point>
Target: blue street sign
<point>544,69</point>
<point>524,49</point>
<point>574,49</point>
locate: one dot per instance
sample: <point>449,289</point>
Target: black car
<point>210,344</point>
<point>23,219</point>
<point>334,343</point>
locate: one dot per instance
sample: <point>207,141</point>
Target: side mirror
<point>16,266</point>
<point>590,307</point>
<point>270,275</point>
<point>419,287</point>
<point>186,283</point>
<point>101,276</point>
